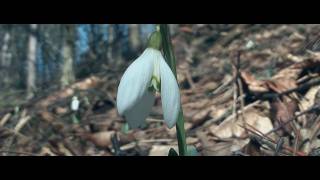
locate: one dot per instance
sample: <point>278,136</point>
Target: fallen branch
<point>16,152</point>
<point>290,120</point>
<point>313,82</point>
<point>5,119</point>
<point>259,133</point>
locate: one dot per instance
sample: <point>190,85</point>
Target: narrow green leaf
<point>125,128</point>
<point>192,151</point>
<point>172,152</point>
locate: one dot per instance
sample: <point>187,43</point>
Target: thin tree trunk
<point>31,62</point>
<point>174,29</point>
<point>134,38</point>
<point>68,76</point>
<point>18,55</point>
<point>114,54</point>
<point>5,60</point>
<point>117,44</point>
<point>48,35</point>
<point>111,38</point>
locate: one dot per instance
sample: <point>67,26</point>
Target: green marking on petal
<point>155,84</point>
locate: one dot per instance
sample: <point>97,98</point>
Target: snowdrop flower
<point>75,103</point>
<point>148,74</point>
<point>250,44</point>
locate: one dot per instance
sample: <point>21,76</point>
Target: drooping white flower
<point>250,44</point>
<point>75,103</point>
<point>135,96</point>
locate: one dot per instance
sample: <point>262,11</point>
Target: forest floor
<point>246,90</point>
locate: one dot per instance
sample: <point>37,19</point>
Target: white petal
<point>135,82</point>
<point>170,95</point>
<point>75,105</point>
<point>136,116</point>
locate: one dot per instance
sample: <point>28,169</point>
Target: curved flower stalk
<point>146,75</point>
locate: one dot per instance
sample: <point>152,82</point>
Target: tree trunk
<point>5,60</point>
<point>174,29</point>
<point>117,45</point>
<point>68,48</point>
<point>114,53</point>
<point>134,38</point>
<point>111,38</point>
<point>31,62</point>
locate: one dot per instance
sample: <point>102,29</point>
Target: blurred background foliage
<point>34,58</point>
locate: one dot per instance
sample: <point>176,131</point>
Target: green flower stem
<point>171,60</point>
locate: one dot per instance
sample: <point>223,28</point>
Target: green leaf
<point>16,109</point>
<point>125,128</point>
<point>86,101</point>
<point>192,151</point>
<point>75,120</point>
<point>172,152</point>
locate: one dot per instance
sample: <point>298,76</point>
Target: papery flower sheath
<point>136,91</point>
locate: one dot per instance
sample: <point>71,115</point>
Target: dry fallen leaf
<point>63,150</point>
<point>309,99</point>
<point>45,151</point>
<point>224,148</point>
<point>100,139</point>
<point>60,110</point>
<point>230,127</point>
<point>306,103</point>
<point>161,150</point>
<point>282,112</point>
<point>172,131</point>
<point>191,140</point>
<point>201,116</point>
<point>254,85</point>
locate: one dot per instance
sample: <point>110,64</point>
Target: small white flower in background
<point>250,44</point>
<point>136,92</point>
<point>75,103</point>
